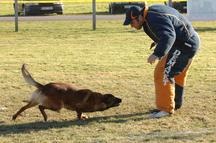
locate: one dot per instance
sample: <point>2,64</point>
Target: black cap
<point>132,13</point>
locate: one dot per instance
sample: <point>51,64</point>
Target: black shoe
<point>177,106</point>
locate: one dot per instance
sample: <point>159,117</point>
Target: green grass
<point>111,59</point>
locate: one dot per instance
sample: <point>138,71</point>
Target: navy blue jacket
<point>166,26</point>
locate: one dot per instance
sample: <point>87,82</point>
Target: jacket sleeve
<point>165,32</point>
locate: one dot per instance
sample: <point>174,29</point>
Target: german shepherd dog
<point>54,96</point>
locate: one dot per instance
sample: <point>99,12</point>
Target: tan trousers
<point>165,94</point>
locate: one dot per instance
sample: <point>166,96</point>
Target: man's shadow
<point>41,125</point>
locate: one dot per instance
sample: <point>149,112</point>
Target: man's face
<point>135,23</point>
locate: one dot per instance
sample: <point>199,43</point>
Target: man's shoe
<point>159,114</point>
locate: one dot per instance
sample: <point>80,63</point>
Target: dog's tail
<point>28,78</point>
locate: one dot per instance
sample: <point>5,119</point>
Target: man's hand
<point>152,58</point>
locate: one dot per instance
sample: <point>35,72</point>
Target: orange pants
<point>165,94</point>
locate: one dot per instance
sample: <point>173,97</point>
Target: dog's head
<point>111,101</point>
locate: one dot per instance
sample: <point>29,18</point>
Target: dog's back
<point>55,96</point>
<point>69,97</point>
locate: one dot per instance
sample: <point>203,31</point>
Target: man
<point>176,43</point>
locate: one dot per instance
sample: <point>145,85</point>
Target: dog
<point>55,96</point>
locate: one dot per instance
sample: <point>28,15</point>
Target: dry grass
<point>110,59</point>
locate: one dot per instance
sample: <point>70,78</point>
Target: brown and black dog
<point>55,96</point>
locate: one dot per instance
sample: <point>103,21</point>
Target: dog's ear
<point>107,98</point>
<point>108,95</point>
<point>83,92</point>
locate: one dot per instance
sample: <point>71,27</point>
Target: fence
<point>84,1</point>
<point>72,6</point>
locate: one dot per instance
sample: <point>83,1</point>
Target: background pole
<point>16,15</point>
<point>94,14</point>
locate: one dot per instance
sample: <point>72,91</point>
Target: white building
<point>201,9</point>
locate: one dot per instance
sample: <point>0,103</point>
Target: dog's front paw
<point>83,117</point>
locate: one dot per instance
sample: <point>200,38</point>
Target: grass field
<point>111,59</point>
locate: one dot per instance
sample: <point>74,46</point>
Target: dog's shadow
<point>38,126</point>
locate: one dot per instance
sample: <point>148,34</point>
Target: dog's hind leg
<point>29,105</point>
<point>41,108</point>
